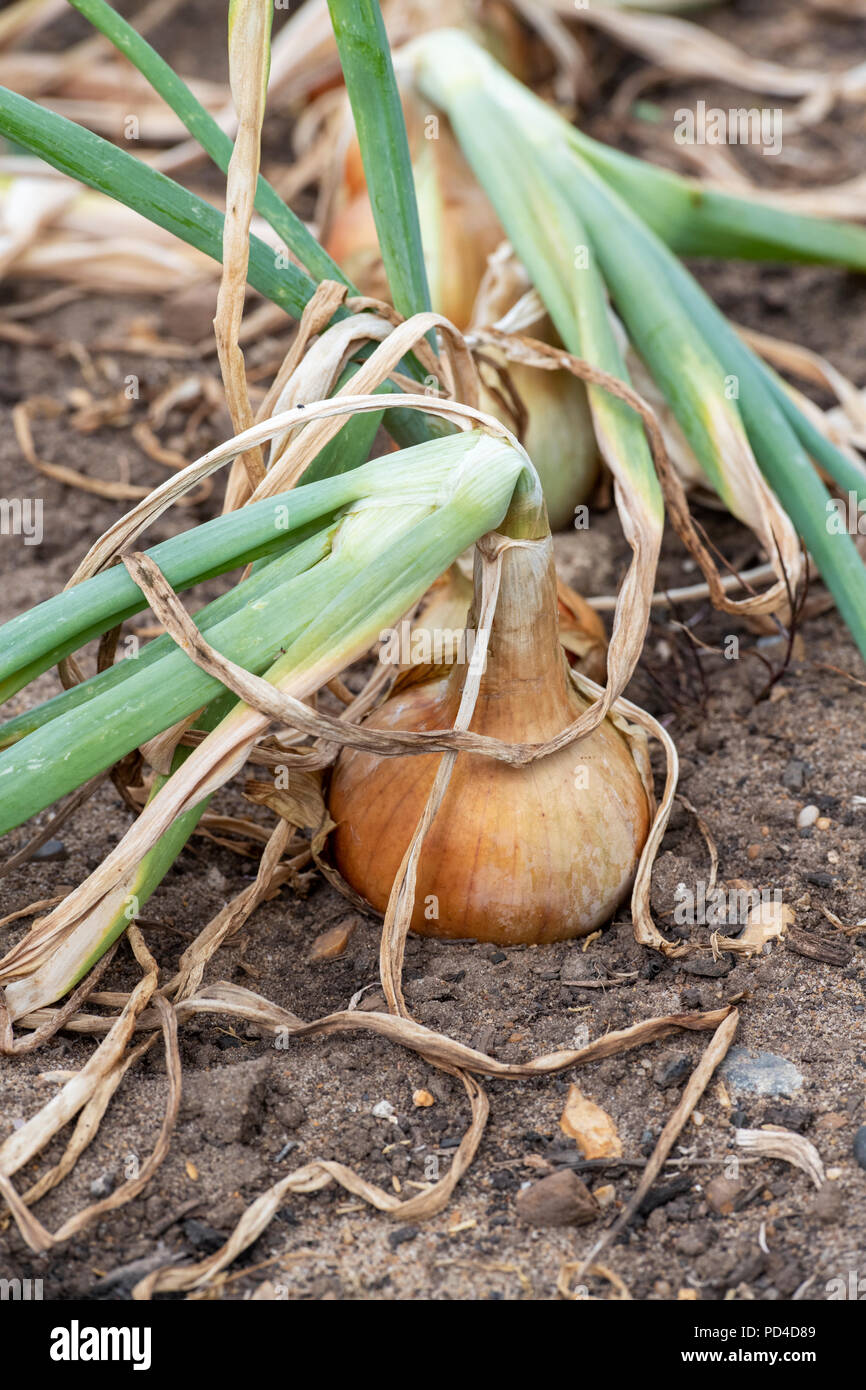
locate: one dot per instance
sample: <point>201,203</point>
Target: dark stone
<point>647,1142</point>
<point>820,880</point>
<point>670,1069</point>
<point>402,1235</point>
<point>202,1237</point>
<point>860,1146</point>
<point>795,1117</point>
<point>51,850</point>
<point>652,967</point>
<point>708,968</point>
<point>660,1196</point>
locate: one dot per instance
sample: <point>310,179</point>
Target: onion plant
<point>346,552</point>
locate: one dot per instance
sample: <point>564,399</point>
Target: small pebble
<point>722,1193</point>
<point>794,775</point>
<point>383,1110</point>
<point>331,944</point>
<point>103,1186</point>
<point>671,1069</point>
<point>401,1235</point>
<point>560,1200</point>
<point>860,1146</point>
<point>51,850</point>
<point>828,1206</point>
<point>808,816</point>
<point>762,1074</point>
<point>422,1099</point>
<point>823,823</point>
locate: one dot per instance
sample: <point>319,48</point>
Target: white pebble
<point>383,1110</point>
<point>808,816</point>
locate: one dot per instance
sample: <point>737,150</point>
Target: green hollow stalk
<point>57,756</point>
<point>561,215</point>
<point>304,551</point>
<point>368,73</point>
<point>502,127</point>
<point>544,225</point>
<point>698,221</point>
<point>62,754</point>
<point>35,640</point>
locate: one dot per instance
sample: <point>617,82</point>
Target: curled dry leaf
<point>773,1142</point>
<point>593,1129</point>
<point>691,50</point>
<point>765,922</point>
<point>299,801</point>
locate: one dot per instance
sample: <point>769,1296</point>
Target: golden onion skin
<point>515,854</point>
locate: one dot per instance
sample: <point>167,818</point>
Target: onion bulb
<point>514,854</point>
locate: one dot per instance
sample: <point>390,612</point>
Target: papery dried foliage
<point>249,35</point>
<point>147,1008</point>
<point>783,1144</point>
<point>684,49</point>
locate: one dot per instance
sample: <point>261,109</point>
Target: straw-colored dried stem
<point>249,32</point>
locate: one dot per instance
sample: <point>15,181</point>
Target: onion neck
<point>525,694</point>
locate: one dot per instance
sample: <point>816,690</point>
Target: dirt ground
<point>252,1112</point>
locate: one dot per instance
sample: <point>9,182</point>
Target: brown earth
<point>252,1112</point>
